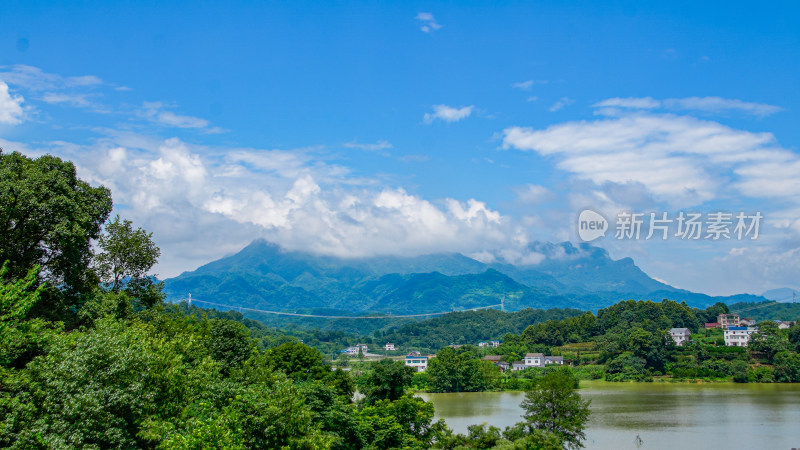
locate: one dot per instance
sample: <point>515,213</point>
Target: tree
<point>298,361</point>
<point>387,380</point>
<point>787,367</point>
<point>230,344</point>
<point>769,340</point>
<point>20,339</point>
<point>794,336</point>
<point>126,253</point>
<point>48,217</point>
<point>554,406</point>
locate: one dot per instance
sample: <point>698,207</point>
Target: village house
<point>728,320</point>
<point>353,351</point>
<point>747,322</point>
<point>710,325</point>
<point>738,336</point>
<point>483,344</point>
<point>534,360</point>
<point>417,362</point>
<point>554,360</point>
<point>680,335</point>
<point>783,325</point>
<point>495,344</point>
<point>388,347</point>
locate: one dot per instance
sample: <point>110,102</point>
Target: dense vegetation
<point>627,341</point>
<point>91,357</point>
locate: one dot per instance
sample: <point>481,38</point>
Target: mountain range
<point>265,276</point>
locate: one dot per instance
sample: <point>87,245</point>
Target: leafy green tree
<point>787,367</point>
<point>20,339</point>
<point>739,370</point>
<point>794,336</point>
<point>387,380</point>
<point>298,361</point>
<point>554,406</point>
<point>403,423</point>
<point>769,341</point>
<point>230,343</point>
<point>102,388</point>
<point>626,367</point>
<point>48,217</point>
<point>126,253</point>
<point>452,371</point>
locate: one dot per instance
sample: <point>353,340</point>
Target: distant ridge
<point>265,276</point>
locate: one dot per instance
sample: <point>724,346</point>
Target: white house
<point>680,335</point>
<point>495,344</point>
<point>483,344</point>
<point>388,347</point>
<point>554,360</point>
<point>739,336</point>
<point>419,363</point>
<point>534,360</point>
<point>518,365</point>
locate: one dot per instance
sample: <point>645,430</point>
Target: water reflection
<point>663,415</point>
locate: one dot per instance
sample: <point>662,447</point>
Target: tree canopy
<point>48,218</point>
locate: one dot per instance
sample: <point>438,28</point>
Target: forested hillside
<point>264,276</point>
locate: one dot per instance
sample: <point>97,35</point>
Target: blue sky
<point>361,128</point>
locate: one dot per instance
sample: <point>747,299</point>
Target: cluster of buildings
<point>737,331</point>
<point>353,351</point>
<point>530,360</point>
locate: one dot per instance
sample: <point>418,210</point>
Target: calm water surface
<point>663,415</point>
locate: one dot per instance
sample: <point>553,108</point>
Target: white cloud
<point>561,103</point>
<point>79,100</point>
<point>630,102</point>
<point>158,112</point>
<point>448,113</point>
<point>533,193</point>
<point>380,145</point>
<point>10,106</point>
<point>201,207</point>
<point>705,104</point>
<point>679,159</point>
<point>35,79</point>
<point>428,22</point>
<point>85,80</point>
<point>528,84</point>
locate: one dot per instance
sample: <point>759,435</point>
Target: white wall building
<point>680,335</point>
<point>419,363</point>
<point>388,347</point>
<point>739,336</point>
<point>534,360</point>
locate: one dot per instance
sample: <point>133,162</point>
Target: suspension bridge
<point>191,300</point>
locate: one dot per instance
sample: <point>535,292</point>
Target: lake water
<point>663,415</point>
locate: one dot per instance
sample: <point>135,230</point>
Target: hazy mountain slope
<point>264,276</point>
